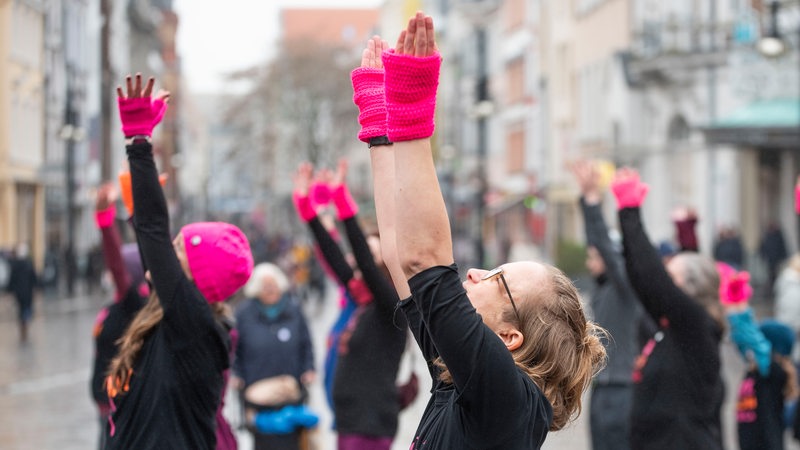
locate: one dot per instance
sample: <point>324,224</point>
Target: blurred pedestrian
<point>509,350</point>
<point>167,380</point>
<point>679,390</point>
<point>22,281</point>
<point>372,342</point>
<point>787,297</point>
<point>130,295</point>
<point>773,252</point>
<point>729,249</point>
<point>274,361</point>
<point>615,307</point>
<point>685,221</point>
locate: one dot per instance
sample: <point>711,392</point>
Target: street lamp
<point>71,134</point>
<point>772,44</point>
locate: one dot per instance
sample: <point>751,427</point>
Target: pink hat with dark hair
<point>219,258</point>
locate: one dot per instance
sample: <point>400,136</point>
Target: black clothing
<point>677,400</point>
<point>120,314</point>
<point>365,393</point>
<point>21,282</point>
<point>759,412</point>
<point>730,251</point>
<point>177,379</point>
<point>491,404</point>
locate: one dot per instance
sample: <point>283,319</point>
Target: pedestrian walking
<point>678,389</point>
<point>167,380</point>
<point>372,342</point>
<point>274,362</point>
<point>22,281</point>
<point>773,252</point>
<point>130,295</point>
<point>615,307</point>
<point>509,350</point>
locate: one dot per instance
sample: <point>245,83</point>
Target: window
<point>515,81</point>
<point>515,148</point>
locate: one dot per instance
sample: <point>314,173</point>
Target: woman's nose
<point>474,275</point>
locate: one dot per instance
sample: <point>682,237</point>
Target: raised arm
<point>588,178</point>
<point>139,114</point>
<point>105,213</point>
<point>411,80</point>
<point>327,245</point>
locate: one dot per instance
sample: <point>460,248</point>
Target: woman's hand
<point>106,196</point>
<point>418,39</point>
<point>139,112</point>
<point>628,189</point>
<point>588,178</point>
<point>302,179</point>
<point>371,56</point>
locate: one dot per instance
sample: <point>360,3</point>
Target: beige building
<point>21,124</point>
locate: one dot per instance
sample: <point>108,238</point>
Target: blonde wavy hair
<point>130,344</point>
<point>561,351</point>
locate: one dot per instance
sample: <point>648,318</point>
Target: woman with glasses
<point>509,350</point>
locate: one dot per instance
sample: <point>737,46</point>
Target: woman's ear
<point>512,338</point>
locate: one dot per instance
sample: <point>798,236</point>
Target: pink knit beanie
<point>219,257</point>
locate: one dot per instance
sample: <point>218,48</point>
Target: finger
<point>137,86</point>
<point>430,35</point>
<point>408,44</point>
<point>129,85</point>
<point>148,88</point>
<point>420,37</point>
<point>365,58</point>
<point>371,49</point>
<point>383,47</point>
<point>119,92</point>
<point>400,43</point>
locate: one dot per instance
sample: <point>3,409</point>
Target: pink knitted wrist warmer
<point>346,207</point>
<point>140,115</point>
<point>303,206</point>
<point>629,193</point>
<point>368,96</point>
<point>797,200</point>
<point>105,218</point>
<point>411,84</point>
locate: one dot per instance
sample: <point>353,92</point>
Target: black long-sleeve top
<point>365,396</point>
<point>177,378</point>
<point>677,402</point>
<point>115,317</point>
<point>491,404</point>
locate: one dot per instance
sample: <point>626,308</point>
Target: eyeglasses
<point>498,272</point>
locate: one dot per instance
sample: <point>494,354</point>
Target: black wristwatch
<point>379,140</point>
<point>138,139</point>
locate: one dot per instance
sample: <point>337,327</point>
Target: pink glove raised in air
<point>140,115</point>
<point>629,191</point>
<point>302,203</point>
<point>368,95</point>
<point>797,198</point>
<point>734,287</point>
<point>346,207</point>
<point>320,195</point>
<point>411,84</point>
<point>105,218</point>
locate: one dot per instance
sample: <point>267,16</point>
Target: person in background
<point>685,221</point>
<point>770,381</point>
<point>728,248</point>
<point>509,350</point>
<point>678,389</point>
<point>274,361</point>
<point>130,295</point>
<point>773,252</point>
<point>615,307</point>
<point>22,281</point>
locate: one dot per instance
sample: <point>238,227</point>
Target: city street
<point>44,387</point>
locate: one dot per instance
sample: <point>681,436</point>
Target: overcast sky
<point>215,38</point>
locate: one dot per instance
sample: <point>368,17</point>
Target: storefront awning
<point>766,123</point>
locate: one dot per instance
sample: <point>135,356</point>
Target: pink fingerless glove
<point>735,288</point>
<point>411,84</point>
<point>346,207</point>
<point>319,194</point>
<point>797,199</point>
<point>105,218</point>
<point>630,192</point>
<point>368,95</point>
<point>303,206</point>
<point>140,115</point>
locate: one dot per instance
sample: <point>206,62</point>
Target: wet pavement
<point>44,383</point>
